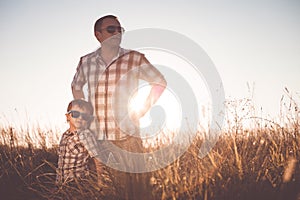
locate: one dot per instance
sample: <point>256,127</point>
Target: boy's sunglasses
<point>113,29</point>
<point>77,114</point>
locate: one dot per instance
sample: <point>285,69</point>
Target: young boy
<point>77,144</point>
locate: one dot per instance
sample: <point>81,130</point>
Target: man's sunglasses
<point>77,114</point>
<point>113,29</point>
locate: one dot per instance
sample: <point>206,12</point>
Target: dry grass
<point>257,162</point>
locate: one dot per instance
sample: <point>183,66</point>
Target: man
<point>112,76</point>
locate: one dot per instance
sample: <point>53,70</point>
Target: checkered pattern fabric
<point>74,151</point>
<point>88,140</point>
<point>110,87</point>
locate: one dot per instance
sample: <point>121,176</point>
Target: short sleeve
<point>79,78</point>
<point>149,73</point>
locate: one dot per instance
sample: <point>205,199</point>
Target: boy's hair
<point>81,104</point>
<point>98,23</point>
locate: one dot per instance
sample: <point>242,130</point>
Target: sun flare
<point>168,102</point>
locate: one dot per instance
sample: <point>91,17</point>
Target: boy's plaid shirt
<point>110,88</point>
<point>75,149</point>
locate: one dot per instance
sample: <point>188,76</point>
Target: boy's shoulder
<point>68,133</point>
<point>88,139</point>
<point>86,133</point>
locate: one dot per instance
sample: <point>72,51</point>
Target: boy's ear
<point>67,117</point>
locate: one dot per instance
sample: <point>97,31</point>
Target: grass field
<point>257,162</point>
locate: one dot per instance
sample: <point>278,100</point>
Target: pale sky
<point>255,42</point>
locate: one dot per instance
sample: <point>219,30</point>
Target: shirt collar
<point>71,132</point>
<point>121,52</point>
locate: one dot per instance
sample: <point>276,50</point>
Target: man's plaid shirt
<point>110,87</point>
<point>75,149</point>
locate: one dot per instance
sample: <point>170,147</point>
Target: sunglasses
<point>113,29</point>
<point>77,114</point>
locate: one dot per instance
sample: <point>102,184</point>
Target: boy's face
<point>77,122</point>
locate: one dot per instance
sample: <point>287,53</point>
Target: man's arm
<point>77,94</point>
<point>155,93</point>
<point>150,74</point>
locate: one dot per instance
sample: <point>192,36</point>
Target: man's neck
<point>109,53</point>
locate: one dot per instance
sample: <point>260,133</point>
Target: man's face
<point>110,33</point>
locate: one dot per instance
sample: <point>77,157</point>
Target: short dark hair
<point>81,104</point>
<point>98,23</point>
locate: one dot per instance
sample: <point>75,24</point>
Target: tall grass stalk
<point>254,158</point>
